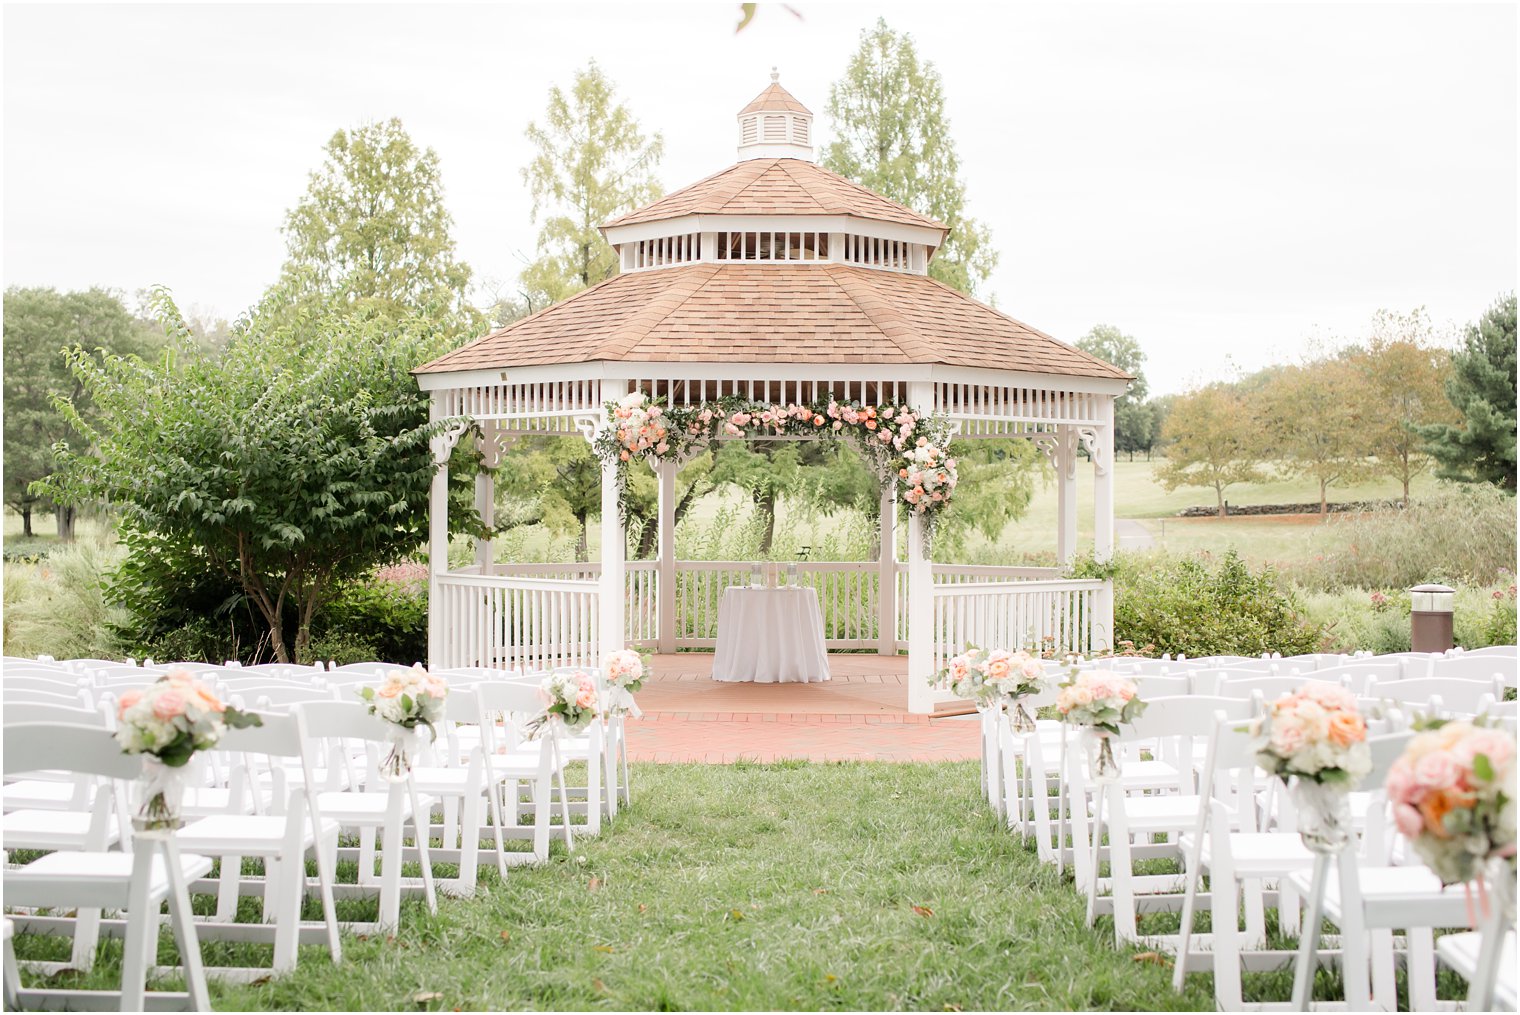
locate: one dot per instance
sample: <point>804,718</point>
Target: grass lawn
<point>747,887</point>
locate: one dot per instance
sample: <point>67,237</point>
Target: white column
<point>665,584</point>
<point>438,538</point>
<point>920,587</point>
<point>1066,494</point>
<point>485,493</point>
<point>611,628</point>
<point>886,580</point>
<point>1103,522</point>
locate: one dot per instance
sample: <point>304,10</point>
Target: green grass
<point>748,886</point>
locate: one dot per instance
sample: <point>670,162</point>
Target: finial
<point>775,75</point>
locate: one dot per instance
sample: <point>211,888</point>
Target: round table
<point>770,636</point>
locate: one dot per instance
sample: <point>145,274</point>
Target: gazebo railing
<point>986,605</point>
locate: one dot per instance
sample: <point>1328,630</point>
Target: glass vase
<point>1324,814</point>
<point>163,794</point>
<point>1019,719</point>
<point>397,766</point>
<point>1105,767</point>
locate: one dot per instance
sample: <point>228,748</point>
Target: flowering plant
<point>1098,699</point>
<point>1453,797</point>
<point>900,442</point>
<point>174,717</point>
<point>1314,733</point>
<point>570,697</point>
<point>625,670</point>
<point>408,699</point>
<point>987,677</point>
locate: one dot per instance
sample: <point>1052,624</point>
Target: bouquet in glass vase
<point>167,722</point>
<point>406,699</point>
<point>1099,702</point>
<point>1016,676</point>
<point>1453,797</point>
<point>569,698</point>
<point>965,676</point>
<point>1315,740</point>
<point>626,671</point>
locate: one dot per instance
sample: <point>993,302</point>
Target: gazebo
<point>774,283</point>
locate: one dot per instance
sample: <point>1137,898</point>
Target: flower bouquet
<point>1317,737</point>
<point>167,722</point>
<point>965,676</point>
<point>1016,676</point>
<point>1099,702</point>
<point>625,671</point>
<point>1453,797</point>
<point>406,699</point>
<point>568,697</point>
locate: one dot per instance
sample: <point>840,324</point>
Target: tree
<point>593,163</point>
<point>372,228</point>
<point>1482,389</point>
<point>1134,419</point>
<point>297,459</point>
<point>1212,441</point>
<point>995,488</point>
<point>40,324</point>
<point>1404,373</point>
<point>892,135</point>
<point>1315,417</point>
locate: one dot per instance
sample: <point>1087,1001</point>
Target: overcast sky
<point>1222,181</point>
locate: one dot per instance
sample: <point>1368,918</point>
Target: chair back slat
<point>68,747</point>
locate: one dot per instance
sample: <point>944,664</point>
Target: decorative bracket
<point>1060,447</point>
<point>443,441</point>
<point>589,424</point>
<point>1097,449</point>
<point>494,445</point>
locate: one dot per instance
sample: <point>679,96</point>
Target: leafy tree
<point>296,460</point>
<point>1212,441</point>
<point>1482,388</point>
<point>995,488</point>
<point>40,325</point>
<point>1135,422</point>
<point>1405,374</point>
<point>593,163</point>
<point>372,228</point>
<point>892,135</point>
<point>1315,416</point>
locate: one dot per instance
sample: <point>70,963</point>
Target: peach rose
<point>1347,728</point>
<point>127,700</point>
<point>169,704</point>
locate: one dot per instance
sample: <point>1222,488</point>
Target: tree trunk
<point>647,537</point>
<point>1406,489</point>
<point>766,502</point>
<point>1223,510</point>
<point>26,522</point>
<point>582,542</point>
<point>1324,498</point>
<point>63,516</point>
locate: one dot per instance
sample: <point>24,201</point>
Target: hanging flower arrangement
<point>901,444</point>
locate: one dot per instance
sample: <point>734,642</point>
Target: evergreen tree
<point>593,163</point>
<point>1482,388</point>
<point>892,135</point>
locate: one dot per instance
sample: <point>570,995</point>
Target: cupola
<point>775,125</point>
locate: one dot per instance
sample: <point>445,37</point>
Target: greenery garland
<point>908,450</point>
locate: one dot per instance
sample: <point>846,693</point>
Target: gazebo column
<point>485,490</point>
<point>920,587</point>
<point>1065,460</point>
<point>886,581</point>
<point>665,583</point>
<point>438,533</point>
<point>612,628</point>
<point>1101,449</point>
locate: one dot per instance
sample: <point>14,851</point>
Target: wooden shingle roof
<point>775,99</point>
<point>776,187</point>
<point>773,313</point>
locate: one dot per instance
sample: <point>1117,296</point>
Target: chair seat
<point>38,794</point>
<point>206,801</point>
<point>1159,813</point>
<point>69,879</point>
<point>1460,952</point>
<point>1395,897</point>
<point>364,808</point>
<point>241,834</point>
<point>1259,854</point>
<point>40,829</point>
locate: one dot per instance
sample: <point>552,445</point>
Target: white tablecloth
<point>770,636</point>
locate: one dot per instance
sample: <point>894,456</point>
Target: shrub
<point>58,606</point>
<point>1183,605</point>
<point>1378,620</point>
<point>1462,535</point>
<point>383,617</point>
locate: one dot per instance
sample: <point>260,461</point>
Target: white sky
<point>1222,181</point>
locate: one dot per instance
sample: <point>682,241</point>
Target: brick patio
<point>860,714</point>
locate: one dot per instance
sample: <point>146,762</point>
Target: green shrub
<point>1185,605</point>
<point>380,617</point>
<point>1378,620</point>
<point>58,606</point>
<point>1461,536</point>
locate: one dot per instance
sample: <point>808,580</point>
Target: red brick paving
<point>859,715</point>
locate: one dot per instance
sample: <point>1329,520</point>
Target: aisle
<point>859,715</point>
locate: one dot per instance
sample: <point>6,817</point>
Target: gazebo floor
<point>860,714</point>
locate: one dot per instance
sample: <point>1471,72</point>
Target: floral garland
<point>902,445</point>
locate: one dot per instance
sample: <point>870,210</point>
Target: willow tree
<point>592,162</point>
<point>892,135</point>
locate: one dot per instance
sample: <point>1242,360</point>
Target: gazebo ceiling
<point>776,186</point>
<point>774,313</point>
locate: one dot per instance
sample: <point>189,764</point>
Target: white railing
<point>1060,615</point>
<point>515,622</point>
<point>846,599</point>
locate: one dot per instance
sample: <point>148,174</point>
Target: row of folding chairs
<point>302,788</point>
<point>1190,794</point>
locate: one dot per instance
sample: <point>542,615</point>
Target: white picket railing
<point>846,598</point>
<point>516,623</point>
<point>1059,615</point>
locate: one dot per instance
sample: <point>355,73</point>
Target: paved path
<point>1133,535</point>
<point>859,715</point>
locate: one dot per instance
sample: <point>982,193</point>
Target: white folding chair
<point>1460,696</point>
<point>1486,960</point>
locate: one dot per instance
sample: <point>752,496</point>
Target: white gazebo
<point>777,282</point>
